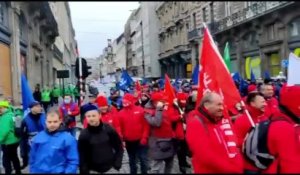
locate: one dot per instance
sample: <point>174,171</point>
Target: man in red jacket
<point>179,128</point>
<point>272,103</point>
<point>135,132</point>
<point>211,140</point>
<point>161,140</point>
<point>68,112</point>
<point>281,140</point>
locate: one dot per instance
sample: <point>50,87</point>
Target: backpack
<point>255,146</point>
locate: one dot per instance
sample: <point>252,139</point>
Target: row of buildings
<point>165,37</point>
<point>37,39</point>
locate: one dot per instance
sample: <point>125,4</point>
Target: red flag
<point>138,86</point>
<point>214,75</point>
<point>169,91</point>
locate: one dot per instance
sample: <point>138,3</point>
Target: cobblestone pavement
<point>125,164</point>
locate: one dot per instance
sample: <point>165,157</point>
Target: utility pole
<point>143,54</point>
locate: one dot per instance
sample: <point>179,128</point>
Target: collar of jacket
<point>95,129</point>
<point>255,113</point>
<point>60,129</point>
<point>288,113</point>
<point>206,114</point>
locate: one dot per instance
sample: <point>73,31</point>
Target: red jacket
<point>242,124</point>
<point>168,118</point>
<point>209,153</point>
<point>280,135</point>
<point>272,106</point>
<point>133,124</point>
<point>74,112</point>
<point>111,118</point>
<point>179,131</point>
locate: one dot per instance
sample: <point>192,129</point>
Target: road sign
<point>63,74</point>
<point>284,63</point>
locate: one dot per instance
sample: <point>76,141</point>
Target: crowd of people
<point>259,135</point>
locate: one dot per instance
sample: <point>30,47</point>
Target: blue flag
<point>161,83</point>
<point>27,96</point>
<point>253,79</point>
<point>125,82</point>
<point>195,74</point>
<point>267,75</point>
<point>236,77</point>
<point>243,87</point>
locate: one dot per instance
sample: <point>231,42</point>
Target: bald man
<point>211,139</point>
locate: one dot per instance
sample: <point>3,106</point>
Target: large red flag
<point>214,75</point>
<point>169,91</point>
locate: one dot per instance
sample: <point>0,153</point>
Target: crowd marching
<point>155,123</point>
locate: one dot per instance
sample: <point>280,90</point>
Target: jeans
<point>157,166</point>
<point>10,155</point>
<point>181,155</point>
<point>1,162</point>
<point>136,150</point>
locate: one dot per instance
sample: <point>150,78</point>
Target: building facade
<point>65,43</point>
<point>260,35</point>
<point>175,51</point>
<point>142,43</point>
<point>27,32</point>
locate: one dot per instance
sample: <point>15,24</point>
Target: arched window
<point>294,27</point>
<point>3,14</point>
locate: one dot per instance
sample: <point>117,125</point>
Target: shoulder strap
<point>202,122</point>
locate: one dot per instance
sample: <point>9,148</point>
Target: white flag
<point>293,70</point>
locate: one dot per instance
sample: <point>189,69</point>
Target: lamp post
<point>143,54</point>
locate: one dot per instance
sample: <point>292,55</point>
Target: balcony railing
<point>254,10</point>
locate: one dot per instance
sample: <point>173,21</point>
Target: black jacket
<point>37,95</point>
<point>100,148</point>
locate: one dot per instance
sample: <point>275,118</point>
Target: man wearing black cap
<point>32,124</point>
<point>99,145</point>
<point>92,100</point>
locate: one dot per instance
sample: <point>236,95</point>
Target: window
<point>227,8</point>
<point>275,67</point>
<point>204,14</point>
<point>294,28</point>
<point>3,13</point>
<point>234,65</point>
<point>271,31</point>
<point>22,27</point>
<point>211,7</point>
<point>194,20</point>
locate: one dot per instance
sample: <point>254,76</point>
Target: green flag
<point>227,57</point>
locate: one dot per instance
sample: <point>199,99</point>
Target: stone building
<point>175,51</point>
<point>27,32</point>
<point>260,34</point>
<point>65,43</point>
<point>27,36</point>
<point>142,43</point>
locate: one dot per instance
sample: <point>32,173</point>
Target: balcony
<point>255,10</point>
<point>194,34</point>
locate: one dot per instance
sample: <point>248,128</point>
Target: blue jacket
<point>53,153</point>
<point>30,127</point>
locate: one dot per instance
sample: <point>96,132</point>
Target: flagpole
<point>248,114</point>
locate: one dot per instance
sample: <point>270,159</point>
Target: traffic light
<point>85,69</point>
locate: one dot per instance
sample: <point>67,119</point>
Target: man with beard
<point>99,145</point>
<point>33,123</point>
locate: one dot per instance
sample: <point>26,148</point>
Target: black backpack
<point>255,146</point>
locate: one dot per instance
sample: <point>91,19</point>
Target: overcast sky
<point>95,22</point>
